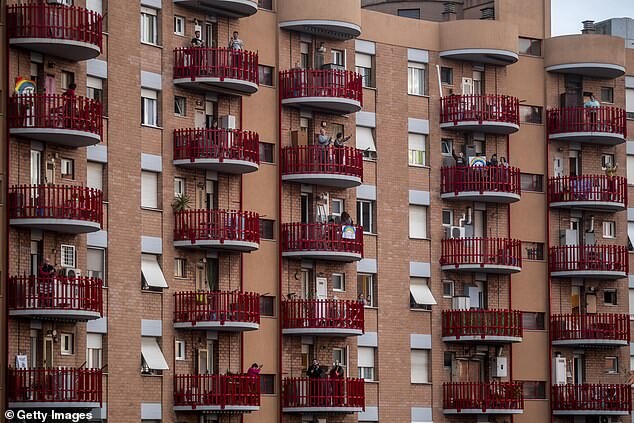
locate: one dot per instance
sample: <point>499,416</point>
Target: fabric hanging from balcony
<point>152,272</point>
<point>152,354</point>
<point>365,139</point>
<point>422,294</point>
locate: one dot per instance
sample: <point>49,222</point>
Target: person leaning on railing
<point>46,275</point>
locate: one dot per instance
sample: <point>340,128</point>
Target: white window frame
<point>149,107</point>
<point>335,54</point>
<point>342,285</point>
<point>341,203</point>
<point>363,62</point>
<point>416,149</point>
<point>609,229</point>
<point>449,143</point>
<point>607,160</point>
<point>343,353</point>
<point>93,5</point>
<point>629,102</point>
<point>66,338</point>
<point>66,252</point>
<point>67,167</point>
<point>418,229</point>
<point>371,204</point>
<point>90,350</point>
<point>180,353</point>
<point>89,272</point>
<point>372,278</point>
<point>615,367</point>
<point>180,106</point>
<point>423,356</point>
<point>630,169</point>
<point>416,81</point>
<point>180,265</point>
<point>179,186</point>
<point>452,288</point>
<point>450,213</point>
<point>149,186</point>
<point>366,372</point>
<point>179,25</point>
<point>94,175</point>
<point>149,26</point>
<point>96,85</point>
<point>631,295</point>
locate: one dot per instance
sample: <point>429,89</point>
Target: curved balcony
<point>219,229</point>
<point>322,317</point>
<point>588,192</point>
<point>340,167</point>
<point>494,114</point>
<point>589,261</point>
<point>221,150</point>
<point>494,184</point>
<point>330,90</point>
<point>592,55</point>
<point>480,41</point>
<point>322,241</point>
<point>483,398</point>
<point>54,388</point>
<point>590,330</point>
<point>591,399</point>
<point>58,119</point>
<point>497,326</point>
<point>217,393</point>
<point>340,20</point>
<point>216,69</point>
<point>56,208</point>
<point>57,297</point>
<point>69,32</point>
<point>229,8</point>
<point>596,125</point>
<point>324,395</point>
<point>489,255</point>
<point>215,310</point>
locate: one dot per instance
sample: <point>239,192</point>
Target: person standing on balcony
<point>591,106</point>
<point>69,105</point>
<point>336,384</point>
<point>235,46</point>
<point>197,41</point>
<point>339,153</point>
<point>461,164</point>
<point>46,276</point>
<point>320,56</point>
<point>324,140</point>
<point>316,391</point>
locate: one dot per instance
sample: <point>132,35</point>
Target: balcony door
<point>47,353</point>
<point>469,370</point>
<point>205,359</point>
<point>200,119</point>
<point>35,349</point>
<point>578,369</point>
<point>573,95</point>
<point>476,295</point>
<point>308,284</point>
<point>574,163</point>
<point>36,167</point>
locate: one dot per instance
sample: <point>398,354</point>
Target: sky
<point>568,14</point>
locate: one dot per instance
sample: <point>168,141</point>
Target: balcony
<point>493,184</point>
<point>591,400</point>
<point>595,125</point>
<point>218,229</point>
<point>221,311</point>
<point>322,317</point>
<point>591,55</point>
<point>54,388</point>
<point>56,208</point>
<point>221,150</point>
<point>216,69</point>
<point>328,90</point>
<point>217,393</point>
<point>590,330</point>
<point>339,167</point>
<point>229,8</point>
<point>589,261</point>
<point>483,398</point>
<point>69,32</point>
<point>493,114</point>
<point>332,19</point>
<point>483,326</point>
<point>489,255</point>
<point>588,192</point>
<point>59,297</point>
<point>322,241</point>
<point>327,395</point>
<point>58,119</point>
<point>480,41</point>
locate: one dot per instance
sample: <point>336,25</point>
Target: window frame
<point>537,183</point>
<point>65,165</point>
<point>537,322</point>
<point>263,152</point>
<point>263,229</point>
<point>180,102</point>
<point>527,51</point>
<point>363,371</point>
<point>149,26</point>
<point>535,111</point>
<point>149,108</point>
<point>613,293</point>
<point>155,204</point>
<point>448,71</point>
<point>92,166</point>
<point>610,90</point>
<point>63,256</point>
<point>360,221</point>
<point>180,267</point>
<point>342,285</point>
<point>262,75</point>
<point>177,350</point>
<point>103,264</point>
<point>270,298</point>
<point>414,155</point>
<point>426,380</point>
<point>70,337</point>
<point>369,290</point>
<point>452,285</point>
<point>615,366</point>
<point>414,68</point>
<point>182,21</point>
<point>609,229</point>
<point>405,13</point>
<point>420,233</point>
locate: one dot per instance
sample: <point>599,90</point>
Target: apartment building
<point>424,197</point>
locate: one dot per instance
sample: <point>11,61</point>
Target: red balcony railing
<point>483,396</point>
<point>315,159</point>
<point>216,391</point>
<point>218,225</point>
<point>593,188</point>
<point>321,237</point>
<point>216,306</point>
<point>53,111</point>
<point>322,314</point>
<point>587,119</point>
<point>55,385</point>
<point>332,393</point>
<point>457,179</point>
<point>215,62</point>
<point>481,251</point>
<point>298,83</point>
<point>41,20</point>
<point>55,202</point>
<point>219,144</point>
<point>580,327</point>
<point>601,258</point>
<point>55,293</point>
<point>480,108</point>
<point>592,398</point>
<point>482,323</point>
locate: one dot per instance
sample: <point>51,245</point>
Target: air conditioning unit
<point>61,2</point>
<point>455,232</point>
<point>228,122</point>
<point>499,367</point>
<point>461,302</point>
<point>607,419</point>
<point>70,272</point>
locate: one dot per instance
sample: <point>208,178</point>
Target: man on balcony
<point>46,275</point>
<point>591,107</point>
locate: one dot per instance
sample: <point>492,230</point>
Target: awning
<point>630,234</point>
<point>365,139</point>
<point>152,272</point>
<point>422,294</point>
<point>152,354</point>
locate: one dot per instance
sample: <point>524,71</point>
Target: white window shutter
<point>420,366</point>
<point>149,190</point>
<point>417,221</point>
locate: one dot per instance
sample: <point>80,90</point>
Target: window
<point>149,26</point>
<point>152,278</point>
<point>340,355</point>
<point>409,13</point>
<point>94,178</point>
<point>304,55</point>
<point>267,305</point>
<point>266,75</point>
<point>530,114</point>
<point>630,236</point>
<point>179,350</point>
<point>267,384</point>
<point>611,365</point>
<point>180,105</point>
<point>365,363</point>
<point>179,186</point>
<point>94,350</point>
<point>363,66</point>
<point>477,82</point>
<point>533,250</point>
<point>447,359</point>
<point>96,264</point>
<point>152,360</point>
<point>66,344</point>
<point>417,221</point>
<point>415,78</point>
<point>630,170</point>
<point>366,289</point>
<point>420,366</point>
<point>67,79</point>
<point>366,215</point>
<point>338,57</point>
<point>265,4</point>
<point>179,267</point>
<point>609,297</point>
<point>267,152</point>
<point>336,208</point>
<point>532,182</point>
<point>267,229</point>
<point>365,142</point>
<point>446,147</point>
<point>607,161</point>
<point>179,25</point>
<point>149,107</point>
<point>631,294</point>
<point>448,288</point>
<point>94,88</point>
<point>534,389</point>
<point>149,190</point>
<point>607,94</point>
<point>446,75</point>
<point>609,229</point>
<point>447,217</point>
<point>94,5</point>
<point>629,102</point>
<point>420,296</point>
<point>533,320</point>
<point>68,256</point>
<point>530,46</point>
<point>68,168</point>
<point>338,282</point>
<point>416,149</point>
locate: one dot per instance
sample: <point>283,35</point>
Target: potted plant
<point>181,202</point>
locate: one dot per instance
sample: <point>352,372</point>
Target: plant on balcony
<point>181,202</point>
<point>611,170</point>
